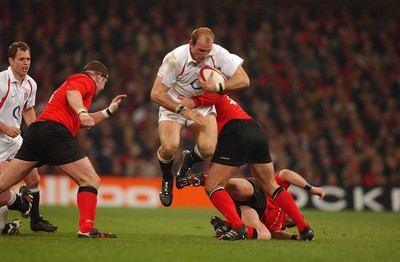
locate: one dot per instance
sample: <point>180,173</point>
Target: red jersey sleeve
<point>227,109</point>
<point>207,99</point>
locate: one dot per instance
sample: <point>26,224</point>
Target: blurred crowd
<point>325,76</point>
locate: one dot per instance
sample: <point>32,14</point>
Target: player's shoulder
<point>176,59</point>
<point>181,49</point>
<point>4,73</point>
<point>79,77</point>
<point>178,55</point>
<point>218,50</point>
<point>31,80</point>
<point>80,80</point>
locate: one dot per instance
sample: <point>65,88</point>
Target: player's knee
<point>263,234</point>
<point>210,187</point>
<point>89,179</point>
<point>167,151</point>
<point>232,188</point>
<point>206,151</point>
<point>95,181</point>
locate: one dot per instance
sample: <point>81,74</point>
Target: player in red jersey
<point>257,209</point>
<point>50,140</point>
<point>241,140</point>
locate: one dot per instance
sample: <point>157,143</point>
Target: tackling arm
<point>239,80</point>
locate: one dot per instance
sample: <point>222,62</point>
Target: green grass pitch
<point>174,234</point>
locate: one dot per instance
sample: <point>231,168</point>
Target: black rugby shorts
<point>258,201</point>
<point>50,143</point>
<point>242,141</point>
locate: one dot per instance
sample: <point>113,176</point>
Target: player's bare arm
<point>188,102</point>
<point>293,178</point>
<point>159,95</point>
<point>74,98</point>
<point>239,80</point>
<point>279,234</point>
<point>109,111</point>
<point>29,115</point>
<point>318,191</point>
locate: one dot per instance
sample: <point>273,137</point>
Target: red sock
<point>286,202</point>
<point>224,203</point>
<point>87,202</point>
<point>252,233</point>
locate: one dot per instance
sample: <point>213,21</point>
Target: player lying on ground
<point>256,208</point>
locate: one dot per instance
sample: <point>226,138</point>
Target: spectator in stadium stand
<point>18,94</point>
<point>50,140</point>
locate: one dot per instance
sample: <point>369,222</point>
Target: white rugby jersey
<point>180,72</point>
<point>15,96</point>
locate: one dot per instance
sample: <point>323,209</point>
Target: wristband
<point>113,107</point>
<point>180,108</point>
<point>219,87</point>
<point>82,111</point>
<point>308,187</point>
<point>293,237</point>
<point>107,112</point>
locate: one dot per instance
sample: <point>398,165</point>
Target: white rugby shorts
<point>165,114</point>
<point>9,146</point>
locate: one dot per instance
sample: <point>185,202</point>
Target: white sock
<point>12,198</point>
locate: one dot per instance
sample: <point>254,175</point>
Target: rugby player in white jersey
<point>179,76</point>
<point>17,100</point>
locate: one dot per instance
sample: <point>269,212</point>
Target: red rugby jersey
<point>227,108</point>
<point>58,108</point>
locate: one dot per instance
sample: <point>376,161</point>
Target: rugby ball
<point>205,73</point>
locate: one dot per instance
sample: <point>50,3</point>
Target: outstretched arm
<point>107,112</point>
<point>291,177</point>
